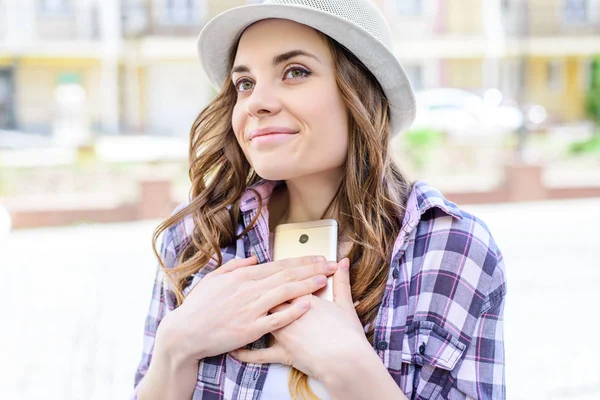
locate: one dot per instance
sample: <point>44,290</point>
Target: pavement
<point>75,300</point>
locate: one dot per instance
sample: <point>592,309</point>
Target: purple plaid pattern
<point>439,330</point>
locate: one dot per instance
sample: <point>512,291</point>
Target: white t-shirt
<point>276,384</point>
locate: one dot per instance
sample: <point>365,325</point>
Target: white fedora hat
<point>356,24</point>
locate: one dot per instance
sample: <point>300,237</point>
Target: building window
<point>409,8</point>
<point>575,11</point>
<point>179,12</point>
<point>554,75</point>
<point>55,7</point>
<point>134,17</point>
<point>586,74</point>
<point>6,100</point>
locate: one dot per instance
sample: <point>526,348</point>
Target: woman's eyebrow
<point>291,54</point>
<point>278,60</point>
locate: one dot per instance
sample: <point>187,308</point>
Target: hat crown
<point>363,13</point>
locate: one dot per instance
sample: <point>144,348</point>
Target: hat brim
<point>222,32</point>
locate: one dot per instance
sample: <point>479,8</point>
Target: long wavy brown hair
<point>369,203</point>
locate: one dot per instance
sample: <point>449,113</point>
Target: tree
<point>593,100</point>
<point>592,145</point>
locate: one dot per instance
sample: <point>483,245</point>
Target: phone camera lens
<point>303,239</point>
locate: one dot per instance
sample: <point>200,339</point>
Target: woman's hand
<point>328,330</point>
<point>229,308</point>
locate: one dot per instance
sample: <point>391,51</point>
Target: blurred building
<point>136,59</point>
<point>534,51</point>
<point>44,42</point>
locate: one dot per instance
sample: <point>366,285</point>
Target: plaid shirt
<point>439,330</point>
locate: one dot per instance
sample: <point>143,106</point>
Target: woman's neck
<point>304,199</point>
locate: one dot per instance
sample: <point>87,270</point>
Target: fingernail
<point>304,305</point>
<point>318,259</point>
<point>345,264</point>
<point>234,353</point>
<point>320,280</point>
<point>331,266</point>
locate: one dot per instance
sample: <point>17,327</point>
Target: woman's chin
<point>274,172</point>
<point>273,175</point>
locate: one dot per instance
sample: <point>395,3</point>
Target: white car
<point>461,113</point>
<point>13,140</point>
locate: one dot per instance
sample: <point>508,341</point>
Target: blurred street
<point>76,299</point>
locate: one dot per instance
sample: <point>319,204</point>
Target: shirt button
<point>382,345</point>
<point>422,349</point>
<point>395,273</point>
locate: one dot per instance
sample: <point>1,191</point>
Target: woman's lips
<point>271,135</point>
<point>271,139</point>
<point>270,130</point>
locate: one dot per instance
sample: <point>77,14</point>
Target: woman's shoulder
<point>446,225</point>
<point>449,241</point>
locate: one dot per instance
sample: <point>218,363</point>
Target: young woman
<point>310,97</point>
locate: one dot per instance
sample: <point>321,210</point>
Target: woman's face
<point>289,119</point>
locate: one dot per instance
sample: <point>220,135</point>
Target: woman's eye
<point>244,85</point>
<point>295,73</point>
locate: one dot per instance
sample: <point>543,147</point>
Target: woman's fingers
<point>272,322</point>
<point>289,291</point>
<point>273,354</point>
<point>296,274</point>
<point>266,270</point>
<point>281,307</point>
<point>342,292</point>
<point>234,264</point>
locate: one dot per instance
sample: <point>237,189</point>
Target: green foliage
<point>591,145</point>
<point>423,138</point>
<point>593,98</point>
<point>420,142</point>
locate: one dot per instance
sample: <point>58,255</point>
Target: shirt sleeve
<point>481,373</point>
<point>161,303</point>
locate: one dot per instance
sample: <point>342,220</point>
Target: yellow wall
<point>59,62</point>
<point>464,16</point>
<point>6,61</point>
<point>464,73</point>
<point>566,102</point>
<point>35,81</point>
<point>575,90</point>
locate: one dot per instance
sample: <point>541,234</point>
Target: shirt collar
<point>427,197</point>
<point>262,188</point>
<point>421,199</point>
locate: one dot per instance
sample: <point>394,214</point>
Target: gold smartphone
<point>314,238</point>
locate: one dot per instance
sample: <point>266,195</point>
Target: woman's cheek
<point>237,124</point>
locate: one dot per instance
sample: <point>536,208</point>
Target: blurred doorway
<point>7,120</point>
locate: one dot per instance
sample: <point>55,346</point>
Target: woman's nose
<point>263,101</point>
